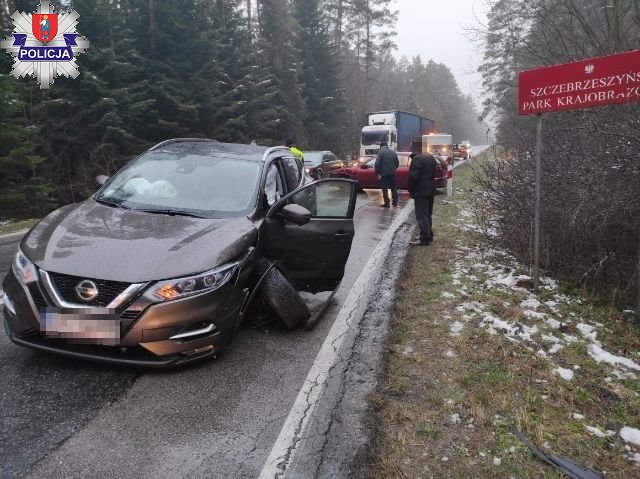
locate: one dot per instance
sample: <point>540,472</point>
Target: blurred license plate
<point>95,326</point>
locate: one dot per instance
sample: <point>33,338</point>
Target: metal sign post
<point>536,218</point>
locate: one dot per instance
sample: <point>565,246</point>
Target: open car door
<point>314,254</point>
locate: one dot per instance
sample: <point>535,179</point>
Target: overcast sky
<point>434,29</point>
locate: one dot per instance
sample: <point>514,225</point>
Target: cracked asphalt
<point>220,418</point>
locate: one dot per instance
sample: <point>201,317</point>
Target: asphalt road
<point>220,418</point>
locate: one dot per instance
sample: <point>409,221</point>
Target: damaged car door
<point>310,232</point>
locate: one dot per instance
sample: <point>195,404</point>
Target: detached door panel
<point>314,255</point>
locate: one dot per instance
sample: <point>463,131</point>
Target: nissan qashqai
<point>162,265</point>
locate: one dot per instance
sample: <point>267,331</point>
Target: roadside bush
<point>590,220</point>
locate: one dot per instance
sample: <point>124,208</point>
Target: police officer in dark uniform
<point>421,188</point>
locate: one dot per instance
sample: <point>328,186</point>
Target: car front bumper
<point>151,334</point>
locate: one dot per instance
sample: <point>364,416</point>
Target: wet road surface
<point>66,418</point>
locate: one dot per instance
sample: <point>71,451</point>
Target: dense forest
<point>232,70</point>
<point>590,158</point>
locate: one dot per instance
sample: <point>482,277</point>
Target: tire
<point>319,175</point>
<point>282,297</point>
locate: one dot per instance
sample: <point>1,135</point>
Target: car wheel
<point>319,175</point>
<point>283,298</point>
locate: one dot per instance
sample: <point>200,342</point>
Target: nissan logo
<point>87,290</point>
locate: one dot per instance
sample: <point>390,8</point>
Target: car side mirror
<point>101,179</point>
<point>297,214</point>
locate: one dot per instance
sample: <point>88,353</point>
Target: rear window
<point>312,158</point>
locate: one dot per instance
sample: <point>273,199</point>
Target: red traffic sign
<point>583,84</point>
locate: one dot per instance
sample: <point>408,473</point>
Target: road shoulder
<point>473,352</point>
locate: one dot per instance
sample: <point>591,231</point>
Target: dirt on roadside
<point>473,353</point>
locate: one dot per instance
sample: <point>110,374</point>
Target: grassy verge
<point>474,352</point>
<point>17,226</point>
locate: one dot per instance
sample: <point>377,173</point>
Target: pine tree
<point>23,191</point>
<point>373,21</point>
<point>280,60</point>
<point>320,76</point>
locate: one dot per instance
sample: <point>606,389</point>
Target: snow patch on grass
<point>554,323</point>
<point>594,431</point>
<point>566,374</point>
<point>456,328</point>
<point>533,314</point>
<point>531,303</point>
<point>588,332</point>
<point>599,355</point>
<point>630,435</point>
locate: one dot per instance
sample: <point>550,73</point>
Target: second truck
<point>396,128</point>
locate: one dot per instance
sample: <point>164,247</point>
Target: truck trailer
<point>397,128</point>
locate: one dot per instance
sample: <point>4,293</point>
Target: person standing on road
<point>291,145</point>
<point>386,165</point>
<point>422,189</point>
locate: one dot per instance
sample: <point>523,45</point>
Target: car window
<point>326,200</point>
<point>312,158</point>
<point>292,172</point>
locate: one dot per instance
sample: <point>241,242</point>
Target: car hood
<point>96,241</point>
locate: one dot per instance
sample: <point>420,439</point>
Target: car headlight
<point>189,285</point>
<point>307,170</point>
<point>24,269</point>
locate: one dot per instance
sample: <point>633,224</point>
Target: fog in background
<point>436,30</point>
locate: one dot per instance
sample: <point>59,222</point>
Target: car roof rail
<point>182,140</point>
<point>274,149</point>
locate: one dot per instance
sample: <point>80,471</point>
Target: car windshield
<point>374,137</point>
<point>312,158</point>
<point>211,186</point>
<point>440,149</point>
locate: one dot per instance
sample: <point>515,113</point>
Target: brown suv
<point>162,264</point>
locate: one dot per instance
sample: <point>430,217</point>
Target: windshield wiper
<point>171,212</point>
<point>117,204</point>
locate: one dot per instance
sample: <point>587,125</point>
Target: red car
<point>365,173</point>
<point>460,152</point>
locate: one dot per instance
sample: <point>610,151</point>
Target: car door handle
<point>343,233</point>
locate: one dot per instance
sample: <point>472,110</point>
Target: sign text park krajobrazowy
<point>583,84</point>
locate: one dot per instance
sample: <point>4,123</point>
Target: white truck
<point>396,128</point>
<point>440,143</point>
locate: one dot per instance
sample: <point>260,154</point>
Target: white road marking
<point>293,431</point>
<point>12,236</point>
